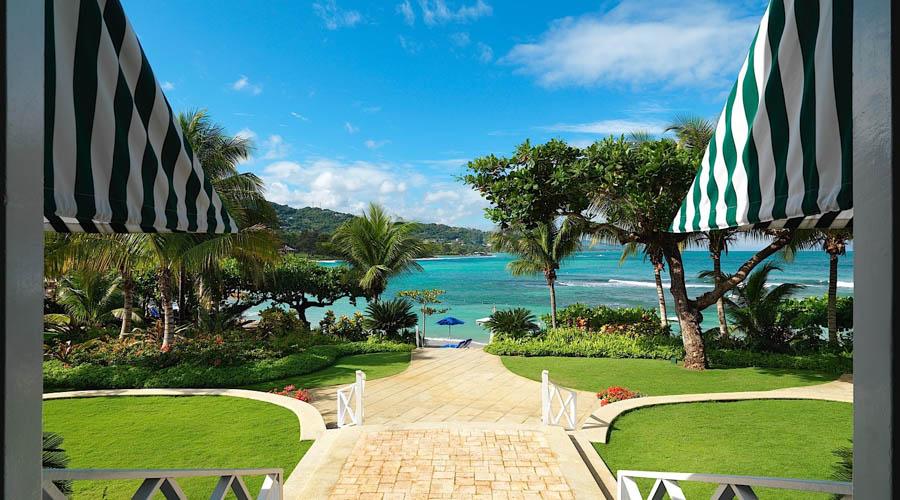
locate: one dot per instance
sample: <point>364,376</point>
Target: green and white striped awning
<point>782,155</point>
<point>114,156</point>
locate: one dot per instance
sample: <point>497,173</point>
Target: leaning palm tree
<point>655,256</point>
<point>378,248</point>
<point>717,242</point>
<point>541,250</point>
<point>834,243</point>
<point>693,132</point>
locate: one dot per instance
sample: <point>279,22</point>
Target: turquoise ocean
<point>476,285</point>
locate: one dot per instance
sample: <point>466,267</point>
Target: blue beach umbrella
<point>450,321</point>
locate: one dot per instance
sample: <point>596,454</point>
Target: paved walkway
<point>450,385</point>
<point>443,461</point>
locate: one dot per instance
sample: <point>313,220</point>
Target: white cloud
<point>275,148</point>
<point>449,163</point>
<point>350,128</point>
<point>243,84</point>
<point>405,9</point>
<point>371,109</point>
<point>607,127</point>
<point>409,45</point>
<point>334,17</point>
<point>460,39</point>
<point>438,12</point>
<point>633,44</point>
<point>167,86</point>
<point>299,116</point>
<point>245,133</point>
<point>348,186</point>
<point>373,144</point>
<point>485,52</point>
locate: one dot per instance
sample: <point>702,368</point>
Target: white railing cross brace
<point>566,400</point>
<point>350,402</point>
<point>164,481</point>
<point>729,487</point>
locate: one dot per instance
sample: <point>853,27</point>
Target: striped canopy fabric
<point>781,155</point>
<point>115,159</point>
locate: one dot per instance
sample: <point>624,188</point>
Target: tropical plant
<point>53,456</point>
<point>692,131</point>
<point>424,298</point>
<point>90,299</point>
<point>541,250</point>
<point>512,323</point>
<point>834,243</point>
<point>843,469</point>
<point>390,317</point>
<point>378,248</point>
<point>754,308</point>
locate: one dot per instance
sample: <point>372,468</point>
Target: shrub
<point>278,322</point>
<point>616,393</point>
<point>578,343</point>
<point>344,328</point>
<point>92,376</point>
<point>292,392</point>
<point>813,311</point>
<point>837,363</point>
<point>512,323</point>
<point>632,321</point>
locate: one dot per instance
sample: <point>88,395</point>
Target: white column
<point>875,180</point>
<point>21,244</point>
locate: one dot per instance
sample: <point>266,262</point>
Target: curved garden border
<point>311,423</point>
<point>596,427</point>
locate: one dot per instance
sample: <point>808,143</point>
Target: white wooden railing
<point>164,481</point>
<point>350,402</point>
<point>740,487</point>
<point>558,404</point>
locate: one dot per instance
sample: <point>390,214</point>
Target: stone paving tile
<point>443,463</point>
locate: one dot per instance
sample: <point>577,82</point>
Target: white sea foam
<point>615,283</point>
<point>845,284</point>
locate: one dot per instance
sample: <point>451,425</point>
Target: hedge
<point>91,376</point>
<point>569,342</point>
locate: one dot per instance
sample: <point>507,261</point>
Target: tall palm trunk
<point>127,299</point>
<point>661,296</point>
<point>165,290</point>
<point>832,298</point>
<point>720,304</point>
<point>689,315</point>
<point>551,282</point>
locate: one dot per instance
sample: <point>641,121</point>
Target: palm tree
<point>378,248</point>
<point>90,299</point>
<point>718,242</point>
<point>390,316</point>
<point>834,243</point>
<point>692,131</point>
<point>541,251</point>
<point>513,323</point>
<point>655,256</point>
<point>754,308</point>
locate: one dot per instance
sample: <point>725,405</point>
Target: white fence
<point>740,487</point>
<point>558,404</point>
<point>350,402</point>
<point>164,481</point>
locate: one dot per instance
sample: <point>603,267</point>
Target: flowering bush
<point>616,393</point>
<point>630,321</point>
<point>291,391</point>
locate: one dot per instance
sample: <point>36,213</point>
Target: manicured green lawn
<point>171,433</point>
<point>792,439</point>
<point>376,365</point>
<point>653,377</point>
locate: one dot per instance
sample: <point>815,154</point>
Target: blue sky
<point>357,101</point>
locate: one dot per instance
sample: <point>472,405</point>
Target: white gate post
<point>545,397</point>
<point>360,387</point>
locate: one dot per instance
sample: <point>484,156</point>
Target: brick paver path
<point>450,385</point>
<point>445,463</point>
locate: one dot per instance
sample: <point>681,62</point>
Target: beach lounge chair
<point>462,345</point>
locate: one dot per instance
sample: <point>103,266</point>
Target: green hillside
<point>309,230</point>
